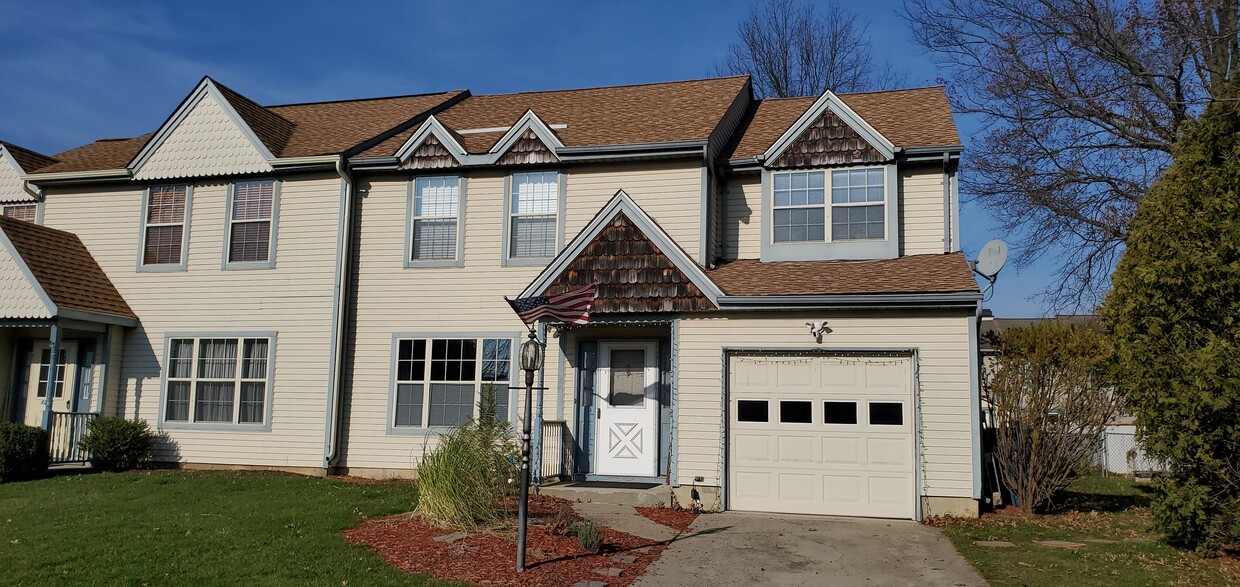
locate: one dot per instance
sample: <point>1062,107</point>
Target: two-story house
<point>784,319</point>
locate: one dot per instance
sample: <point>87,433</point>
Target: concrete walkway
<point>625,519</point>
<point>768,549</point>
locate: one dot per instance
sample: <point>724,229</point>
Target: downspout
<point>340,318</point>
<point>947,203</point>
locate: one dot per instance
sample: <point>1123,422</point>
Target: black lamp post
<point>531,361</point>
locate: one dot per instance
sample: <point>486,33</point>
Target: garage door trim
<point>725,420</point>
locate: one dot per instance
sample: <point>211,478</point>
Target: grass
<point>183,528</point>
<point>1110,515</point>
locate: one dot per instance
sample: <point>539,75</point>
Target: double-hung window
<point>27,212</point>
<point>857,210</point>
<point>533,209</point>
<point>438,381</point>
<point>218,380</point>
<point>251,213</point>
<point>434,219</point>
<point>163,233</point>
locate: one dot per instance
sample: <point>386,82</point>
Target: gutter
<point>340,298</point>
<point>968,300</point>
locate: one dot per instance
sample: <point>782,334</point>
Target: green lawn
<point>1110,516</point>
<point>181,528</point>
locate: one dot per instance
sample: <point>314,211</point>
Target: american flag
<point>570,307</point>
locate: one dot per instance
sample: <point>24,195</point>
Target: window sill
<point>528,261</point>
<point>416,263</point>
<point>229,266</point>
<point>418,430</point>
<point>215,426</point>
<point>169,268</point>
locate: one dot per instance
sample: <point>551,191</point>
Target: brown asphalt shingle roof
<point>918,117</point>
<point>65,269</point>
<point>29,160</point>
<point>618,115</point>
<point>293,130</point>
<point>946,273</point>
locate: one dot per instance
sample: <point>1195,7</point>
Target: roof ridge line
<point>374,99</point>
<point>683,81</point>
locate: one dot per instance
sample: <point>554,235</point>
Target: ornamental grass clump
<point>463,482</point>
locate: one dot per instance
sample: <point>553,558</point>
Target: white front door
<point>627,406</point>
<point>36,388</point>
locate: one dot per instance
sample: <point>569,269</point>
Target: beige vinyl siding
<point>206,143</point>
<point>922,222</point>
<point>294,300</point>
<point>921,213</point>
<point>942,341</point>
<point>743,226</point>
<point>671,193</point>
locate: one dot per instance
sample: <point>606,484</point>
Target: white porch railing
<point>557,459</point>
<point>67,430</point>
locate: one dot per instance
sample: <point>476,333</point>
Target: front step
<point>630,494</point>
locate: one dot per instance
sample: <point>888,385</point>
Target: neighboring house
<point>318,287</point>
<point>15,200</point>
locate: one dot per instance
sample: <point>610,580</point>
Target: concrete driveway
<point>770,549</point>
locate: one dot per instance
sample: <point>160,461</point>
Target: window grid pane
<point>166,205</point>
<point>253,200</point>
<point>163,245</point>
<point>250,235</point>
<point>409,404</point>
<point>165,219</point>
<point>799,199</point>
<point>533,236</point>
<point>857,222</point>
<point>214,401</point>
<point>249,242</point>
<point>858,211</point>
<point>534,204</point>
<point>434,239</point>
<point>452,404</point>
<point>27,212</point>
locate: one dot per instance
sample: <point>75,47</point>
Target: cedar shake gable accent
<point>912,274</point>
<point>527,150</point>
<point>828,140</point>
<point>64,269</point>
<point>632,274</point>
<point>431,154</point>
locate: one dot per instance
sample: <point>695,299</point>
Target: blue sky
<point>75,71</point>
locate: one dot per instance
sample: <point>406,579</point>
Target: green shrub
<point>589,536</point>
<point>117,444</point>
<point>23,452</point>
<point>464,480</point>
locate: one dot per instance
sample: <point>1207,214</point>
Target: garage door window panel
<point>796,412</point>
<point>886,414</point>
<point>753,411</point>
<point>839,412</point>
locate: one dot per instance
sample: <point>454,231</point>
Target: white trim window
<point>250,221</point>
<point>857,210</point>
<point>27,212</point>
<point>799,212</point>
<point>435,218</point>
<point>533,213</point>
<point>218,380</point>
<point>438,380</point>
<point>162,237</point>
<point>858,199</point>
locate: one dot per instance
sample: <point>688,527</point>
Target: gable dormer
<point>433,146</point>
<point>530,140</point>
<point>215,131</point>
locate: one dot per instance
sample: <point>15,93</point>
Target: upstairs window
<point>533,210</point>
<point>27,212</point>
<point>435,219</point>
<point>250,217</point>
<point>857,210</point>
<point>857,197</point>
<point>163,237</point>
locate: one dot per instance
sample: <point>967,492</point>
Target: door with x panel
<point>627,386</point>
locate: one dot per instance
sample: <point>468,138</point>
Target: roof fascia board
<point>621,202</point>
<point>631,147</point>
<point>528,121</point>
<point>852,301</point>
<point>51,307</point>
<point>830,101</point>
<point>78,177</point>
<point>933,150</point>
<point>432,126</point>
<point>205,87</point>
<point>97,317</point>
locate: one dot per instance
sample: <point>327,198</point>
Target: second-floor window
<point>164,235</point>
<point>250,222</point>
<point>27,212</point>
<point>533,210</point>
<point>856,210</point>
<point>434,218</point>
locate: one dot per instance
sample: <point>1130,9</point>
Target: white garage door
<point>821,435</point>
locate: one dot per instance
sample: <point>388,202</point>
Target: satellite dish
<point>991,258</point>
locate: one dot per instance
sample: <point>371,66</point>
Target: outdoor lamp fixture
<point>531,361</point>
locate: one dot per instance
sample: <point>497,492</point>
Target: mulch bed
<point>676,518</point>
<point>488,558</point>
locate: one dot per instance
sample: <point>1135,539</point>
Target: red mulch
<point>489,558</point>
<point>676,518</point>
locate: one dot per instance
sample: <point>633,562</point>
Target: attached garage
<point>822,434</point>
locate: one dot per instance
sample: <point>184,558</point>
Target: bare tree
<point>1080,102</point>
<point>792,49</point>
<point>1048,388</point>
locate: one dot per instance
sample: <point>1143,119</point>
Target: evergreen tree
<point>1174,314</point>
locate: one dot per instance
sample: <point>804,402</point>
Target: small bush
<point>23,452</point>
<point>117,444</point>
<point>563,521</point>
<point>464,480</point>
<point>589,536</point>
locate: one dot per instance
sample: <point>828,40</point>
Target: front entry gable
<point>21,297</point>
<point>206,136</point>
<point>636,266</point>
<point>829,133</point>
